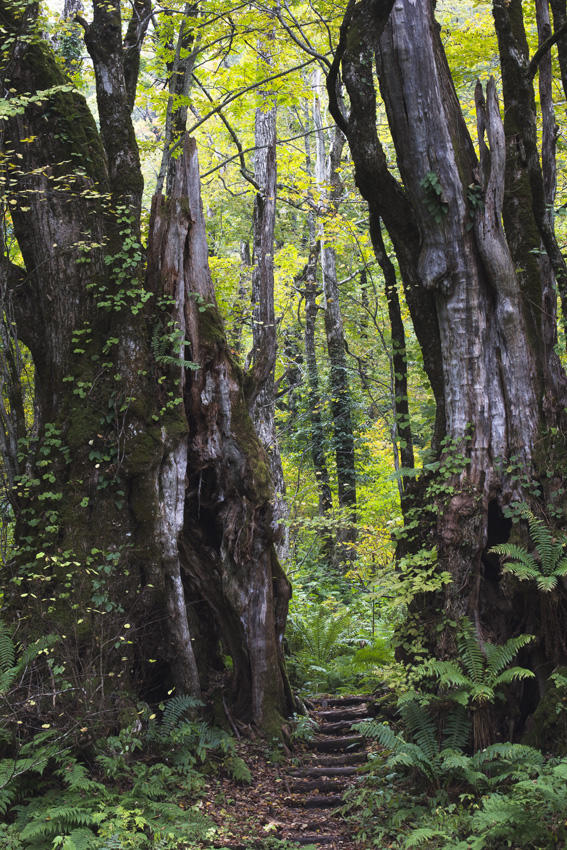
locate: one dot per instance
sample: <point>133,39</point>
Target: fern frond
<point>561,568</point>
<point>326,634</point>
<point>379,732</point>
<point>55,819</point>
<point>546,583</point>
<point>175,709</point>
<point>418,836</point>
<point>521,571</point>
<point>412,757</point>
<point>560,769</point>
<point>499,656</point>
<point>7,679</point>
<point>238,769</point>
<point>513,674</point>
<point>80,839</point>
<point>548,549</point>
<point>449,673</point>
<point>482,693</point>
<point>517,554</point>
<point>422,728</point>
<point>457,729</point>
<point>517,753</point>
<point>471,654</point>
<point>7,649</point>
<point>457,764</point>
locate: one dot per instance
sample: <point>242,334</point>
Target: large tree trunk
<point>503,390</point>
<point>146,511</point>
<point>227,539</point>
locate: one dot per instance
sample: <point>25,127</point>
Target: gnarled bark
<point>147,490</point>
<point>491,358</point>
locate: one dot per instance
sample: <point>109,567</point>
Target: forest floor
<point>295,795</point>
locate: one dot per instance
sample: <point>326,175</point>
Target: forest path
<point>329,768</point>
<point>299,799</point>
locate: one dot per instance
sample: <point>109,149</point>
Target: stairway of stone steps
<point>317,785</point>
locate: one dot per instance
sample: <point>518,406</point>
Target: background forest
<point>286,420</point>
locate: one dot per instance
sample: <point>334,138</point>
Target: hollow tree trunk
<point>227,538</point>
<point>503,390</point>
<point>146,481</point>
<point>93,494</point>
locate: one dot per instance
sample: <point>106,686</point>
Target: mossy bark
<point>145,482</point>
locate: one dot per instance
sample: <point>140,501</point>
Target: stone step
<point>322,801</point>
<point>300,787</point>
<point>325,771</point>
<point>341,726</point>
<point>336,702</point>
<point>332,714</point>
<point>330,745</point>
<point>348,758</point>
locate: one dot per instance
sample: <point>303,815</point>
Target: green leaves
<point>545,566</point>
<point>481,668</point>
<point>18,105</point>
<point>433,196</point>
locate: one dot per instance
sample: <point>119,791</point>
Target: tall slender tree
<point>327,175</point>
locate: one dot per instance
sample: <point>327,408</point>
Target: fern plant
<point>480,671</point>
<point>393,809</point>
<point>10,666</point>
<point>532,812</point>
<point>424,753</point>
<point>481,668</point>
<point>317,639</point>
<point>545,566</point>
<point>7,649</point>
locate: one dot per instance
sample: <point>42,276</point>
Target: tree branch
<point>133,40</point>
<point>240,155</point>
<point>255,147</point>
<point>238,94</point>
<point>543,49</point>
<point>333,77</point>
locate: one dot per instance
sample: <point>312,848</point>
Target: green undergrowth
<point>335,646</point>
<point>507,796</point>
<point>140,788</point>
<point>442,778</point>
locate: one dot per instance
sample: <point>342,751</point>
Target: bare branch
<point>255,148</point>
<point>543,49</point>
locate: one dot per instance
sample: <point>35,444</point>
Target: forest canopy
<point>282,342</point>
